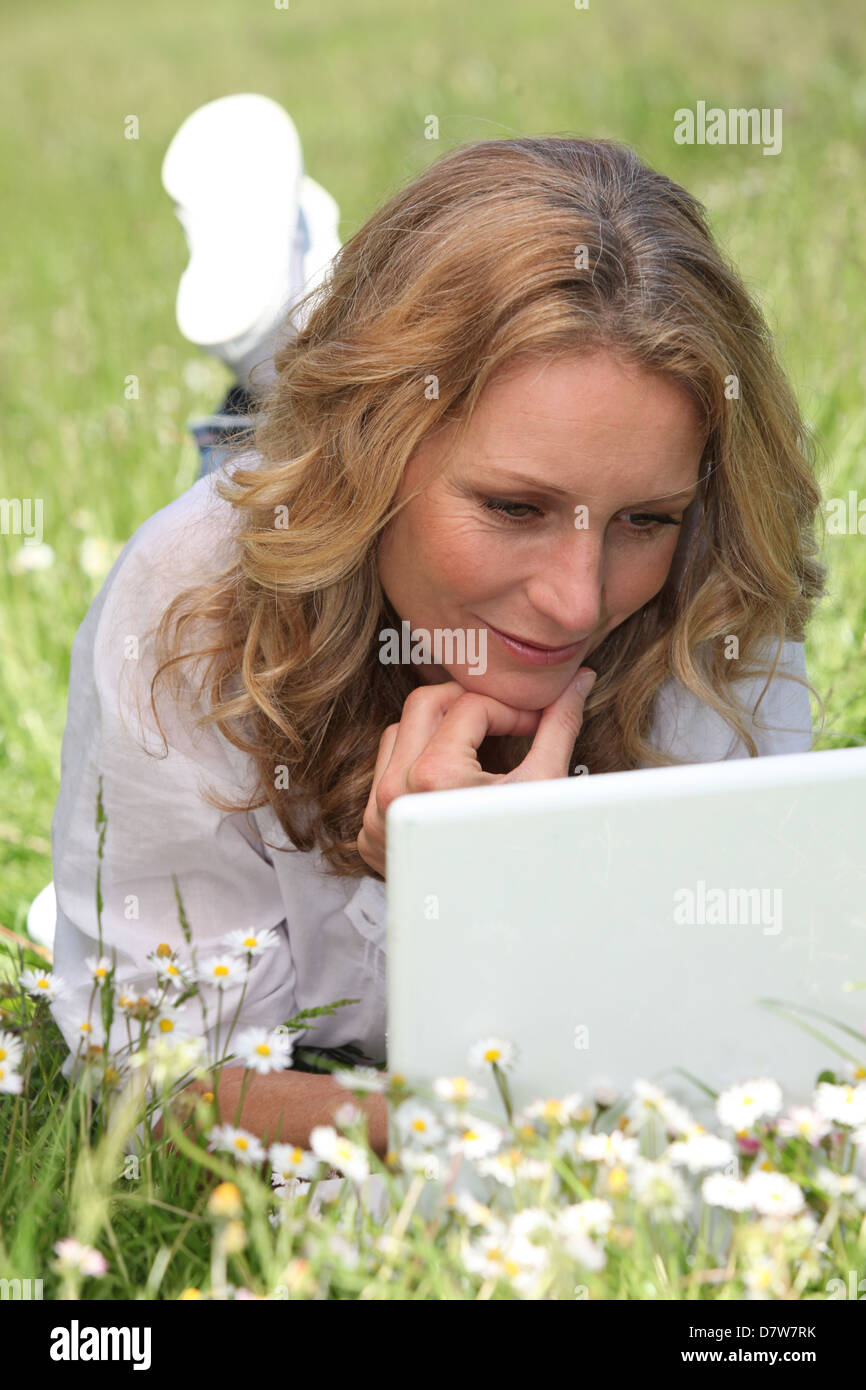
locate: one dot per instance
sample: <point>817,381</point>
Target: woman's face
<point>551,522</point>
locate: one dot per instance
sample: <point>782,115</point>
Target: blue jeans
<point>231,418</point>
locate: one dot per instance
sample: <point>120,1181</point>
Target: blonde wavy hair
<point>499,249</point>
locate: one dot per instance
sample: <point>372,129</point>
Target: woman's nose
<point>569,588</point>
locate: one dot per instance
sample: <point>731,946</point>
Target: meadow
<point>90,255</point>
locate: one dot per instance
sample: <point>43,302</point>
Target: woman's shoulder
<point>184,537</point>
<point>779,717</point>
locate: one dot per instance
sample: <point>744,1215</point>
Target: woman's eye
<point>655,522</point>
<point>639,523</point>
<point>508,509</point>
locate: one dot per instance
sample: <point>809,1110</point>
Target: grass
<point>90,254</point>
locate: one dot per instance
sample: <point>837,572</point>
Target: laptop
<point>695,926</point>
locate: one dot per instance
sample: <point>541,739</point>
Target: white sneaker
<point>257,228</point>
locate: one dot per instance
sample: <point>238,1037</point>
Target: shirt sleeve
<point>782,723</point>
<point>158,824</point>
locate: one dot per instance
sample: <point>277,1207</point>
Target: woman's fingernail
<point>585,680</point>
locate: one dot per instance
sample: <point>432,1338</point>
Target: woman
<point>531,405</point>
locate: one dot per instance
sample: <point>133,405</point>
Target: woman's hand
<point>435,747</point>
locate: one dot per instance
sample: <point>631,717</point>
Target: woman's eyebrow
<point>538,486</point>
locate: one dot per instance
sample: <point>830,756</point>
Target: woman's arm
<point>285,1106</point>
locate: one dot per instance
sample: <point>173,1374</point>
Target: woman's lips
<point>535,655</point>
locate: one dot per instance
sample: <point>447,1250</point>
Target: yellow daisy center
<point>492,1054</point>
<point>43,984</point>
<point>241,1142</point>
<point>163,949</point>
<point>165,1025</point>
<point>419,1124</point>
<point>263,1050</point>
<point>297,1155</point>
<point>251,941</point>
<point>617,1179</point>
<point>100,973</point>
<point>221,970</point>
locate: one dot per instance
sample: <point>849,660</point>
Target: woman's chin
<point>530,691</point>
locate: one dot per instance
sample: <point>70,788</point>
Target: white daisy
<point>245,1146</point>
<point>700,1153</point>
<point>91,1033</point>
<point>73,1255</point>
<point>475,1213</point>
<point>557,1110</point>
<point>265,1050</point>
<point>417,1122</point>
<point>615,1147</point>
<point>488,1051</point>
<point>457,1088</point>
<point>647,1101</point>
<point>766,1278</point>
<point>805,1123</point>
<point>592,1217</point>
<point>11,1050</point>
<point>660,1190</point>
<point>42,984</point>
<point>676,1117</point>
<point>719,1190</point>
<point>169,970</point>
<point>169,1056</point>
<point>221,971</point>
<point>605,1094</point>
<point>288,1161</point>
<point>499,1254</point>
<point>422,1161</point>
<point>475,1138</point>
<point>841,1185</point>
<point>497,1166</point>
<point>170,1022</point>
<point>99,967</point>
<point>338,1151</point>
<point>845,1105</point>
<point>740,1107</point>
<point>28,558</point>
<point>524,1224</point>
<point>773,1194</point>
<point>11,1081</point>
<point>361,1079</point>
<point>531,1169</point>
<point>251,942</point>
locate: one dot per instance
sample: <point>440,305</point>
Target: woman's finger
<point>450,756</point>
<point>553,745</point>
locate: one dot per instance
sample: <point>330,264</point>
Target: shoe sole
<point>239,219</point>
